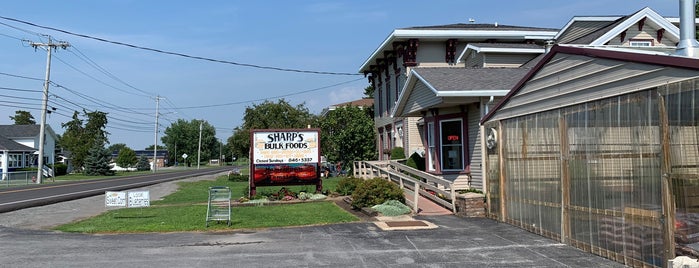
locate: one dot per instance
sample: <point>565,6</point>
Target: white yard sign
<point>115,199</point>
<point>139,199</point>
<point>132,199</point>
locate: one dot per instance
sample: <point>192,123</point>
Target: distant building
<point>161,156</point>
<point>19,143</point>
<point>361,103</point>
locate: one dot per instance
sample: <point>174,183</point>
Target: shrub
<point>374,192</point>
<point>347,185</point>
<point>60,169</point>
<point>238,178</point>
<point>143,164</point>
<point>416,161</point>
<point>392,208</point>
<point>397,153</point>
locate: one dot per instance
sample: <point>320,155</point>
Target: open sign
<point>453,137</point>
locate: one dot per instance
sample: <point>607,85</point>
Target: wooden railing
<point>413,182</point>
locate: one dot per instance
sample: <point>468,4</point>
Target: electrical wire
<point>94,64</point>
<point>21,76</point>
<point>274,97</point>
<point>179,54</point>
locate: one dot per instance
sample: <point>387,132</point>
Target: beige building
<point>416,100</point>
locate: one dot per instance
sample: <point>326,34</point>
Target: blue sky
<point>326,36</point>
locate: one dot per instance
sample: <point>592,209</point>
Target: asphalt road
<point>458,242</point>
<point>39,195</point>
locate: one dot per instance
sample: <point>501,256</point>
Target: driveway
<point>457,242</point>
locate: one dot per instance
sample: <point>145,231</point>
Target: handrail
<point>404,176</point>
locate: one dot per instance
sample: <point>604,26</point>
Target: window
<point>452,147</point>
<point>640,43</point>
<point>431,149</point>
<point>14,160</point>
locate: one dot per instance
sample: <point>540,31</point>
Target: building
<point>424,101</point>
<point>361,103</point>
<point>14,155</point>
<point>28,135</point>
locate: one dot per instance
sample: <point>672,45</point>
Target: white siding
<point>474,146</point>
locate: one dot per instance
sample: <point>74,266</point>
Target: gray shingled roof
<point>464,79</point>
<point>10,145</point>
<point>20,131</point>
<point>479,26</point>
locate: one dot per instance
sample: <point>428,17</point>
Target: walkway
<point>428,208</point>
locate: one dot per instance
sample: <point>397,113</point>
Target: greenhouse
<point>599,149</point>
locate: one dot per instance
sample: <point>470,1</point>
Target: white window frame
<point>461,144</point>
<point>14,160</point>
<point>640,43</point>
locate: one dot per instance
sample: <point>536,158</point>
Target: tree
<point>23,118</point>
<point>183,137</point>
<point>268,115</point>
<point>143,164</point>
<point>347,134</point>
<point>369,94</point>
<point>78,139</point>
<point>97,161</point>
<point>126,158</point>
<point>117,147</point>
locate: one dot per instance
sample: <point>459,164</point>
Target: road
<point>39,195</point>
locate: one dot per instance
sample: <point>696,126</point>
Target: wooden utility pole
<point>44,103</point>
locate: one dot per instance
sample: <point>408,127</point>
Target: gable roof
<point>24,131</point>
<point>463,32</point>
<point>10,145</point>
<point>459,82</point>
<point>599,30</point>
<point>658,59</point>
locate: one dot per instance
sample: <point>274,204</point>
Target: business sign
<point>132,199</point>
<point>138,199</point>
<point>284,157</point>
<point>285,147</point>
<point>115,199</point>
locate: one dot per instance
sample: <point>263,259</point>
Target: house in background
<point>13,155</point>
<point>28,135</point>
<point>361,103</point>
<point>161,157</point>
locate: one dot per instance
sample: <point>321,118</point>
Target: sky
<point>318,36</point>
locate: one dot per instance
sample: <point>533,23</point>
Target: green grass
<point>185,210</point>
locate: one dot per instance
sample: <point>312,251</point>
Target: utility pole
<point>155,147</point>
<point>44,103</point>
<point>199,152</point>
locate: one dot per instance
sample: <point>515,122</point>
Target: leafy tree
<point>78,138</point>
<point>347,134</point>
<point>117,147</point>
<point>183,137</point>
<point>143,164</point>
<point>369,94</point>
<point>97,161</point>
<point>160,147</point>
<point>126,158</point>
<point>268,115</point>
<point>23,118</point>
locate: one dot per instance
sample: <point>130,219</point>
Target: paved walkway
<point>427,207</point>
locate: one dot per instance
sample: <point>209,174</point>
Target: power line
<point>179,54</point>
<point>274,97</point>
<point>20,76</point>
<point>94,64</point>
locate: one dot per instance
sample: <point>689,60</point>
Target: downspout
<point>688,45</point>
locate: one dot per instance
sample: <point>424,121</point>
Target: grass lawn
<point>185,210</point>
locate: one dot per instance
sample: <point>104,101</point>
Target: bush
<point>238,178</point>
<point>416,161</point>
<point>143,164</point>
<point>397,153</point>
<point>392,208</point>
<point>60,169</point>
<point>374,192</point>
<point>347,185</point>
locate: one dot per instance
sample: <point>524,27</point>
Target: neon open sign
<point>453,137</point>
